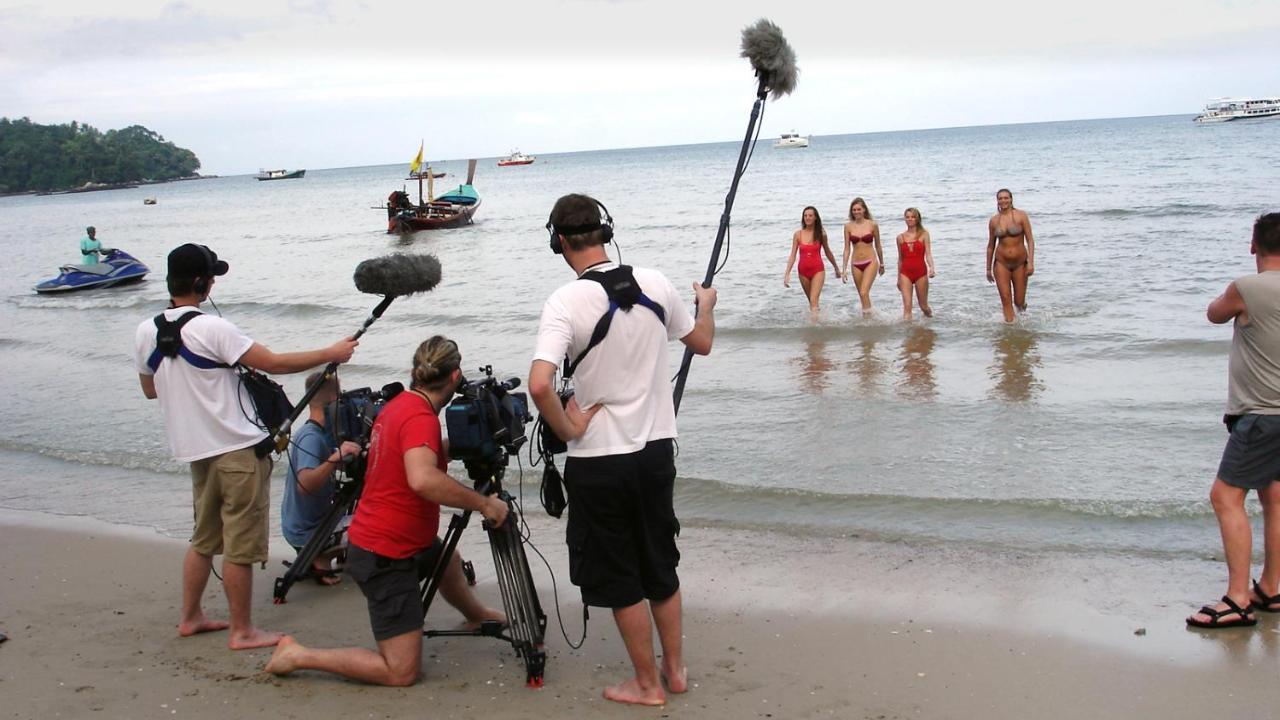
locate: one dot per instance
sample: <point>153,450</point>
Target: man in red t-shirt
<point>393,534</point>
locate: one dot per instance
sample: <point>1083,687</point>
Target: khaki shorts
<point>231,496</point>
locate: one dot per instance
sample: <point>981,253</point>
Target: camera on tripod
<point>486,422</point>
<point>351,416</point>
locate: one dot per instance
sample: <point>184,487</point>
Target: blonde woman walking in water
<point>807,242</point>
<point>1011,253</point>
<point>915,263</point>
<point>860,233</point>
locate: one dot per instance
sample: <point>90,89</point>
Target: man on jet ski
<point>91,249</point>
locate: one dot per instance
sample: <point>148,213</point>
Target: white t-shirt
<point>627,373</point>
<point>206,412</point>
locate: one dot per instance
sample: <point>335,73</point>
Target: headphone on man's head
<point>201,283</point>
<point>606,227</point>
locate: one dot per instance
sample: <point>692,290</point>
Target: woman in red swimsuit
<point>860,233</point>
<point>807,242</point>
<point>915,264</point>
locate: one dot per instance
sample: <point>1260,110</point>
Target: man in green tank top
<point>1251,460</point>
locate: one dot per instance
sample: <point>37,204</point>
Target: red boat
<point>452,209</point>
<point>516,158</point>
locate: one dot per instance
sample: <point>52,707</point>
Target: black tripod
<point>526,623</point>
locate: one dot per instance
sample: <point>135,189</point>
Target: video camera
<point>351,416</point>
<point>486,423</point>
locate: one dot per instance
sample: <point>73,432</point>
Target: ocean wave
<point>157,461</point>
<point>1170,210</point>
<point>703,492</point>
<point>81,351</point>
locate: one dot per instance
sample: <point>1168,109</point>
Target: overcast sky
<point>320,83</point>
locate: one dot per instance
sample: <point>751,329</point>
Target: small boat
<point>280,174</point>
<point>119,268</point>
<point>791,140</point>
<point>450,210</point>
<point>516,158</point>
<point>1226,109</point>
<point>148,201</point>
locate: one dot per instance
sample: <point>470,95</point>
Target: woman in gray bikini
<point>1011,253</point>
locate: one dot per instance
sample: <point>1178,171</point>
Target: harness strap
<point>624,292</point>
<point>174,335</point>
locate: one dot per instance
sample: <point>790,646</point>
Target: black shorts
<point>391,587</point>
<point>622,527</point>
<point>1251,459</point>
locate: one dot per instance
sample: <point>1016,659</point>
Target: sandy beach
<point>777,626</point>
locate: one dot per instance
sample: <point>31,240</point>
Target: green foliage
<point>60,157</point>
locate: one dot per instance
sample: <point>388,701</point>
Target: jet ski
<point>119,268</point>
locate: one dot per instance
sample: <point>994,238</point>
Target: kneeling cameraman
<point>393,543</point>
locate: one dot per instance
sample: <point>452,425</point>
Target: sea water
<point>1092,423</point>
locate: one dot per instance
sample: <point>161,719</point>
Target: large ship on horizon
<point>1225,109</point>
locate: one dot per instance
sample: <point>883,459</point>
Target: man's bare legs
<point>1237,542</point>
<point>237,581</point>
<point>195,576</point>
<point>668,616</point>
<point>1270,580</point>
<point>455,591</point>
<point>398,661</point>
<point>637,635</point>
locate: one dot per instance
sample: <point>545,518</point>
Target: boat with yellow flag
<point>454,208</point>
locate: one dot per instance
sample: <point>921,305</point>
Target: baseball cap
<point>192,261</point>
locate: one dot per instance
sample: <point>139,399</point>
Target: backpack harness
<point>624,292</point>
<point>169,343</point>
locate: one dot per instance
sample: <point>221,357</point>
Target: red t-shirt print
<point>391,519</point>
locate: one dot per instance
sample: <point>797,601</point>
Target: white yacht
<point>1224,109</point>
<point>791,140</point>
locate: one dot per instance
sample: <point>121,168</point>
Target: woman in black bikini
<point>1011,253</point>
<point>859,234</point>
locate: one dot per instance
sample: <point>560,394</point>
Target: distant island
<point>43,158</point>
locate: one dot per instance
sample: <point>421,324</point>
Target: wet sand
<point>777,626</point>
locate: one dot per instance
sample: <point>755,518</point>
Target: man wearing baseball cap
<point>186,359</point>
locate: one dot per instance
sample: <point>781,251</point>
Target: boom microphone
<point>398,274</point>
<point>391,276</point>
<point>772,58</point>
<point>775,64</point>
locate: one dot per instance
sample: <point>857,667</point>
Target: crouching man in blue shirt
<point>314,455</point>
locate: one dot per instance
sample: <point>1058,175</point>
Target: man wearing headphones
<point>209,423</point>
<point>610,328</point>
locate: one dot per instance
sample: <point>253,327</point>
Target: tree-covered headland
<point>36,157</point>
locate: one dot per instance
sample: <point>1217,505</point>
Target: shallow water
<point>1091,423</point>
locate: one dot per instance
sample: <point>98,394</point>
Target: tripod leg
<point>342,503</point>
<point>457,524</point>
<point>525,619</point>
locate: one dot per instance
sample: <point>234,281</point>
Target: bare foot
<point>631,693</point>
<point>285,658</point>
<point>255,638</point>
<point>489,614</point>
<point>677,680</point>
<point>928,311</point>
<point>325,575</point>
<point>201,624</point>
